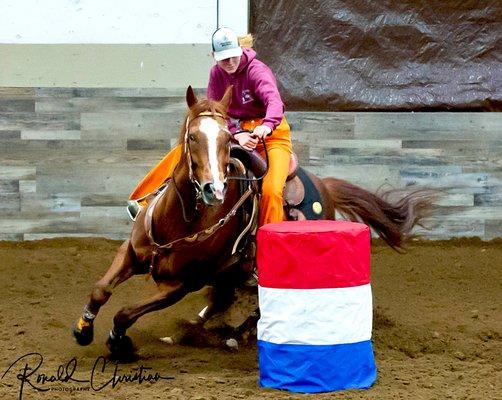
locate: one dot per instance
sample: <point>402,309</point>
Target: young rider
<point>256,106</point>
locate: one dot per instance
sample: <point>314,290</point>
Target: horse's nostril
<point>208,188</point>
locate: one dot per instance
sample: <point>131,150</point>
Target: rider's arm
<point>265,87</point>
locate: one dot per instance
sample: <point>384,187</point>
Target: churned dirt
<point>437,329</point>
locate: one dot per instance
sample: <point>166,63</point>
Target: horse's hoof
<point>232,344</point>
<point>196,321</point>
<point>120,346</point>
<point>167,340</point>
<point>83,332</point>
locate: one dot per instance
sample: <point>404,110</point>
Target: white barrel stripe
<point>315,316</point>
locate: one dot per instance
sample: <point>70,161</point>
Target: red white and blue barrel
<point>314,332</point>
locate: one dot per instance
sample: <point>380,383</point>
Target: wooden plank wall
<point>70,156</point>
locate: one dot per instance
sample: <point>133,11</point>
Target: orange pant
<point>279,149</point>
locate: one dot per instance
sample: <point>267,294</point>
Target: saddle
<point>301,199</point>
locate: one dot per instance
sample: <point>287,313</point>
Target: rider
<point>256,106</point>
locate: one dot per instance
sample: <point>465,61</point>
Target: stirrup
<point>133,209</point>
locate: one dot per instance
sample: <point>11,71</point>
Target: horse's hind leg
<point>118,343</point>
<point>120,270</point>
<point>248,325</point>
<point>220,298</point>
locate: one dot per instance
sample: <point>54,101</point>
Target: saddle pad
<point>312,196</point>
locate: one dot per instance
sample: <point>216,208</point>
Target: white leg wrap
<point>202,314</point>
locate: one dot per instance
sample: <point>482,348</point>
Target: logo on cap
<point>225,44</point>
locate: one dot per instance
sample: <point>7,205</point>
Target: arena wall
<point>94,43</point>
<point>70,156</point>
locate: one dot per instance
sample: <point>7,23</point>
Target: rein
<point>191,239</point>
<point>254,179</point>
<point>183,211</point>
<point>196,237</point>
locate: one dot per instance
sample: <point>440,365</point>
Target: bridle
<point>186,149</point>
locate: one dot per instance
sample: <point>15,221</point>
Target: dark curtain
<point>382,55</point>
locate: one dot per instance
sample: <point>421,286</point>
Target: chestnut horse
<point>186,238</point>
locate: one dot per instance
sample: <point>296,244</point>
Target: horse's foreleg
<point>170,293</point>
<point>120,270</point>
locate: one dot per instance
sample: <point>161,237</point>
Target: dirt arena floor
<point>437,329</point>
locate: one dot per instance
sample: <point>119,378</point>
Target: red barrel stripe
<point>313,254</point>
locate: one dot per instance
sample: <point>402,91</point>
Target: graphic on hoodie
<point>246,96</point>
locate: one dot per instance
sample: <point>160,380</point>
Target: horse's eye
<point>191,137</point>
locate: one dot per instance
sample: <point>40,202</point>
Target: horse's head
<point>207,145</point>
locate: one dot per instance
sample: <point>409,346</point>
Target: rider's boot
<point>135,206</point>
<point>133,209</point>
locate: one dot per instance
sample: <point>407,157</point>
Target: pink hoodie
<point>254,93</point>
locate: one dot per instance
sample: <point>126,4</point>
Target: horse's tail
<point>393,221</point>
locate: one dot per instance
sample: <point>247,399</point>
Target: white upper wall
<point>118,21</point>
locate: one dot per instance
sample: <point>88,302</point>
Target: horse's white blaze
<point>211,129</point>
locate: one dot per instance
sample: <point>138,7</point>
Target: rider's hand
<point>262,131</point>
<point>246,140</point>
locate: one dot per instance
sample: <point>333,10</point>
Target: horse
<point>186,238</point>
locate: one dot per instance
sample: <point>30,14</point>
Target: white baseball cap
<point>225,44</point>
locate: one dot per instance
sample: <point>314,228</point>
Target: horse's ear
<point>191,97</point>
<point>227,97</point>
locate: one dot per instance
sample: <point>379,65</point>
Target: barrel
<point>314,331</point>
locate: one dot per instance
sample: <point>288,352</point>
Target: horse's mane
<point>203,104</point>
